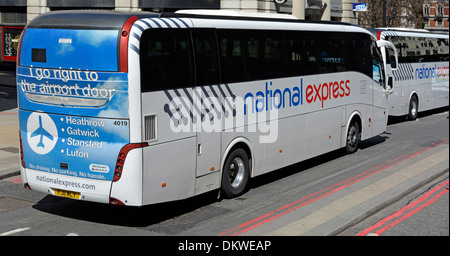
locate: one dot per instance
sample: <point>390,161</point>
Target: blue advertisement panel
<point>73,123</point>
<point>73,92</point>
<point>70,48</point>
<point>72,145</point>
<point>73,104</point>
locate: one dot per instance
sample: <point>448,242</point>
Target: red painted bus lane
<point>406,212</point>
<point>275,214</point>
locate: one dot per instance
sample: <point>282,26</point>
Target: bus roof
<point>101,19</point>
<point>383,32</point>
<point>413,30</point>
<point>232,13</point>
<point>85,19</point>
<point>250,16</point>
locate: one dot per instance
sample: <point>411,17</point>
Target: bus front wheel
<point>353,138</point>
<point>413,108</point>
<point>235,173</point>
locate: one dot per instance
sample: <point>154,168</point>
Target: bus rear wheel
<point>235,173</point>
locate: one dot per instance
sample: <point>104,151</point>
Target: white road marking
<point>15,231</point>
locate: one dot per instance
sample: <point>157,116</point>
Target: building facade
<point>26,10</point>
<point>15,14</point>
<point>436,14</point>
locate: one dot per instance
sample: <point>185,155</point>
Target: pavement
<point>377,190</point>
<point>9,133</point>
<point>9,144</point>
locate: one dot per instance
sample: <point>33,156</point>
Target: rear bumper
<point>88,189</point>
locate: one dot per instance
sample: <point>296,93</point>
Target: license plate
<point>68,194</point>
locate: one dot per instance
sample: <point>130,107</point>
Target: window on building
<point>13,15</point>
<point>426,10</point>
<point>440,10</point>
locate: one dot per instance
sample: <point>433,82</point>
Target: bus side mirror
<point>393,56</point>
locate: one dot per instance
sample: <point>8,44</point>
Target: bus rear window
<point>70,49</point>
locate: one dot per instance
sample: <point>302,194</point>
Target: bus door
<point>383,86</point>
<point>208,127</point>
<point>390,62</point>
<point>208,97</point>
<point>379,116</point>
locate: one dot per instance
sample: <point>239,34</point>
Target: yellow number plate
<point>68,194</point>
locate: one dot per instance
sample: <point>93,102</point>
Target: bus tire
<point>235,173</point>
<point>413,108</point>
<point>353,137</point>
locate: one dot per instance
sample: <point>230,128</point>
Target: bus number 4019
<point>120,123</point>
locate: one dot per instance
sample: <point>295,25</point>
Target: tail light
<point>115,201</point>
<point>27,186</point>
<point>123,53</point>
<point>123,155</point>
<point>22,158</point>
<point>379,35</point>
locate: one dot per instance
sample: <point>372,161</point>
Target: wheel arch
<point>414,93</point>
<point>239,142</point>
<point>355,116</point>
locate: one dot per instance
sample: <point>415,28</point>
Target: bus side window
<point>166,59</point>
<point>333,52</point>
<point>302,53</point>
<point>377,60</point>
<point>266,54</point>
<point>390,59</point>
<point>359,57</point>
<point>443,49</point>
<point>206,57</point>
<point>376,74</point>
<point>232,55</point>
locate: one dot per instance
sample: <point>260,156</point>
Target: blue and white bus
<point>422,77</point>
<point>138,109</point>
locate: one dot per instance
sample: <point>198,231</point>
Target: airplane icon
<point>41,132</point>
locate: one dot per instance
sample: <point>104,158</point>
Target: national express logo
<point>270,99</point>
<point>406,71</point>
<point>431,71</point>
<point>216,108</point>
